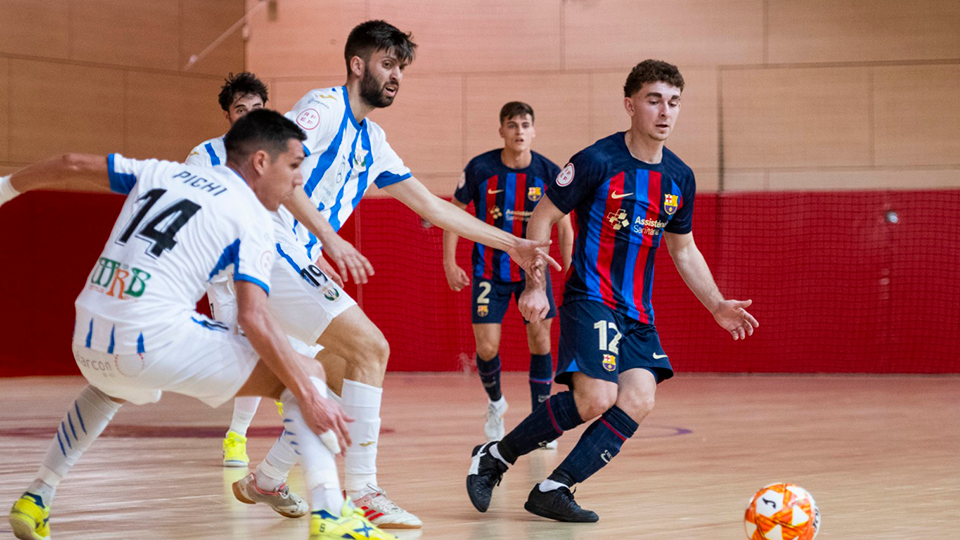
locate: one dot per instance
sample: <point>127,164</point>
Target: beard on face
<point>371,90</point>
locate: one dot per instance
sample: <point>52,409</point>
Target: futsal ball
<point>782,512</point>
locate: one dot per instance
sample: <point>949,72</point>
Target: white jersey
<point>208,153</point>
<point>344,159</point>
<point>180,226</point>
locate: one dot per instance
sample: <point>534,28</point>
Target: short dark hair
<point>261,129</point>
<point>515,108</point>
<point>650,71</point>
<point>371,36</point>
<point>239,85</point>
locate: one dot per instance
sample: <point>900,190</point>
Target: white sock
<point>495,452</point>
<point>244,409</point>
<point>362,403</point>
<point>7,192</point>
<point>85,420</point>
<point>317,460</point>
<point>276,466</point>
<point>550,485</point>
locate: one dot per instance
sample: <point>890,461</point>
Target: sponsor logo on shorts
<point>483,310</point>
<point>331,295</point>
<point>658,356</point>
<point>534,193</point>
<point>609,362</point>
<point>118,280</point>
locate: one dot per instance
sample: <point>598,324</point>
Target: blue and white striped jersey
<point>344,160</point>
<point>208,153</point>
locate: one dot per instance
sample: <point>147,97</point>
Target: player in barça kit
<point>630,194</point>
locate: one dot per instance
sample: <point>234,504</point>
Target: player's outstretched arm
<point>450,218</point>
<point>267,338</point>
<point>67,172</point>
<point>348,260</point>
<point>732,315</point>
<point>533,302</point>
<point>457,279</point>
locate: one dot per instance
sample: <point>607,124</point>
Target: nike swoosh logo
<point>616,195</point>
<point>494,191</point>
<point>368,443</point>
<point>658,356</point>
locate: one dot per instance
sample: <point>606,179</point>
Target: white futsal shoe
<point>383,512</point>
<point>493,428</point>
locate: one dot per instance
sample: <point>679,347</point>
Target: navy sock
<point>546,423</point>
<point>490,376</point>
<point>596,447</point>
<point>541,375</point>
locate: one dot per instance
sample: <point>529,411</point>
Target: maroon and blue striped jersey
<point>505,198</point>
<point>623,206</point>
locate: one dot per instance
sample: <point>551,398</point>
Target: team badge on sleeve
<point>534,193</point>
<point>463,180</point>
<point>309,119</point>
<point>266,262</point>
<point>670,203</point>
<point>565,176</point>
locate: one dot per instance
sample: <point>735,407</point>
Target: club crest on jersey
<point>483,310</point>
<point>495,212</point>
<point>534,193</point>
<point>609,362</point>
<point>670,203</point>
<point>565,176</point>
<point>309,119</point>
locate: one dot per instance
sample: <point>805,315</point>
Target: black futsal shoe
<point>485,474</point>
<point>558,504</point>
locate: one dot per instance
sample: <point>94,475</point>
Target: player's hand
<point>349,261</point>
<point>531,255</point>
<point>457,279</point>
<point>732,315</point>
<point>533,304</point>
<point>328,269</point>
<point>322,415</point>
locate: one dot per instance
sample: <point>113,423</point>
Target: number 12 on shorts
<point>603,328</point>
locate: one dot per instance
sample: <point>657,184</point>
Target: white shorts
<point>302,297</point>
<point>208,361</point>
<point>223,306</point>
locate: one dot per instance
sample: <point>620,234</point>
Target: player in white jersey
<point>137,334</point>
<point>349,154</point>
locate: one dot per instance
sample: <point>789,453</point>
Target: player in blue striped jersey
<point>504,186</point>
<point>629,193</point>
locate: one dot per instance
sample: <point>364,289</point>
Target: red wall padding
<point>836,285</point>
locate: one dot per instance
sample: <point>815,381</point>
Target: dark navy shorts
<point>601,343</point>
<point>492,298</point>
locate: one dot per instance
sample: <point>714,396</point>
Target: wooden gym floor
<point>880,454</point>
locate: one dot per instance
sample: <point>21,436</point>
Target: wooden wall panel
<point>121,32</point>
<point>744,181</point>
<point>4,108</point>
<point>917,115</point>
<point>33,28</point>
<point>911,179</point>
<point>424,125</point>
<point>620,33</point>
<point>302,38</point>
<point>470,37</point>
<point>167,115</point>
<point>695,138</point>
<point>849,30</point>
<point>285,94</point>
<point>203,22</point>
<point>560,103</point>
<point>796,117</point>
<point>48,117</point>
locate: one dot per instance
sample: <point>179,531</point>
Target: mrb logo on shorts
<point>118,280</point>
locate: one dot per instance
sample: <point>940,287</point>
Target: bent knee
<point>636,405</point>
<point>591,404</point>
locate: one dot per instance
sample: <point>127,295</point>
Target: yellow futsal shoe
<point>30,518</point>
<point>349,524</point>
<point>235,450</point>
